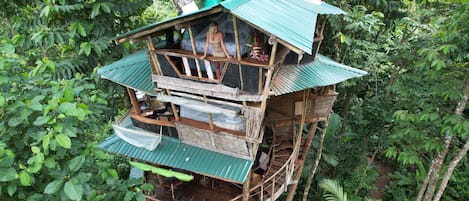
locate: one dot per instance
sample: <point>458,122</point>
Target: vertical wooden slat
<point>241,76</point>
<point>194,51</point>
<point>262,191</point>
<point>134,101</point>
<point>246,187</point>
<point>153,60</point>
<point>210,117</point>
<point>236,33</point>
<point>272,194</point>
<point>173,107</point>
<point>273,53</point>
<point>260,78</point>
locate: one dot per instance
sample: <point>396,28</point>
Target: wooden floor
<point>199,189</point>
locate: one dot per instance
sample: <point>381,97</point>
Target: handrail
<point>184,53</point>
<point>265,183</point>
<point>285,171</point>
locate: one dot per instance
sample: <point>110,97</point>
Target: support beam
<point>155,68</point>
<point>134,101</point>
<point>194,51</point>
<point>246,188</point>
<point>299,171</point>
<point>173,107</point>
<point>296,150</point>
<point>236,34</point>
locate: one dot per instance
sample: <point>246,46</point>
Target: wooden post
<point>321,33</point>
<point>291,192</point>
<point>260,78</point>
<point>173,107</point>
<point>316,162</point>
<point>134,101</point>
<point>246,187</point>
<point>299,172</point>
<point>273,53</point>
<point>153,60</point>
<point>236,34</point>
<point>241,76</point>
<point>194,51</point>
<point>210,117</point>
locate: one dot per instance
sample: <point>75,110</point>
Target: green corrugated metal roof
<point>153,25</point>
<point>173,153</point>
<point>293,21</point>
<point>321,72</point>
<point>132,71</point>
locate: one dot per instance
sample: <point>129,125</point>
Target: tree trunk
<point>434,171</point>
<point>462,152</point>
<point>450,170</point>
<point>425,182</point>
<point>316,163</point>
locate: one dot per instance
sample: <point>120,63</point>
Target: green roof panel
<point>173,153</point>
<point>164,22</point>
<point>293,21</point>
<point>132,71</point>
<point>321,72</point>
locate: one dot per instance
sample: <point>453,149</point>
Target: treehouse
<point>228,121</point>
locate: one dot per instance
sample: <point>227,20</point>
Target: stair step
<point>283,152</point>
<point>278,163</point>
<point>284,146</point>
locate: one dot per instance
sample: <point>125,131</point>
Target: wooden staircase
<point>282,149</point>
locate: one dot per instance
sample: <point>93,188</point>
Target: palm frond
<point>333,190</point>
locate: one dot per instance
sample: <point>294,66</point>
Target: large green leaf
<point>332,190</point>
<point>7,174</point>
<point>54,186</point>
<point>11,189</point>
<point>68,94</point>
<point>64,141</point>
<point>161,171</point>
<point>69,109</point>
<point>15,121</point>
<point>95,11</point>
<point>73,190</point>
<point>76,163</point>
<point>25,178</point>
<point>41,120</point>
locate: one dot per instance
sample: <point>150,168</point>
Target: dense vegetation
<point>407,113</point>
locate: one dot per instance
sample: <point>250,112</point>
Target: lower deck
<point>200,189</point>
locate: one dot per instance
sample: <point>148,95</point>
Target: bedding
<point>236,123</point>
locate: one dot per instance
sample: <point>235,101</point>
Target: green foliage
<point>75,35</point>
<point>333,190</point>
<point>416,56</point>
<point>53,109</point>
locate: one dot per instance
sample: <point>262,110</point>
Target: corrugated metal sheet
<point>293,21</point>
<point>153,25</point>
<point>133,71</point>
<point>321,72</point>
<point>171,152</point>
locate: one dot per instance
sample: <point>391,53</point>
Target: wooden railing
<point>272,187</point>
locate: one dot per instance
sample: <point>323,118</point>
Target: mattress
<point>233,123</point>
